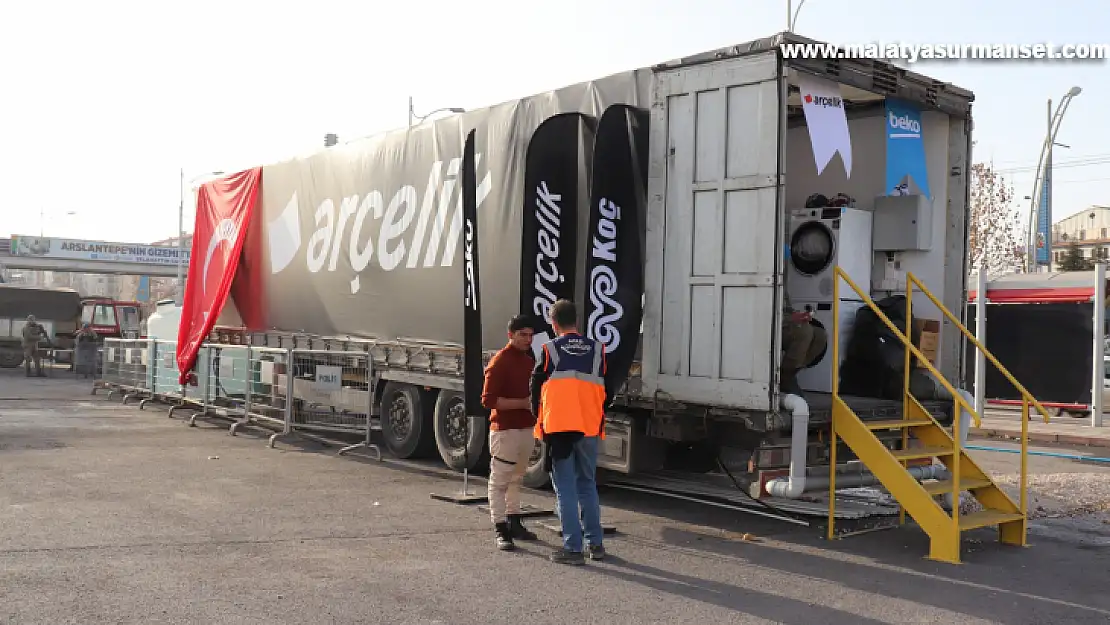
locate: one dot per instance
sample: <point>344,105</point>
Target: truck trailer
<point>57,310</point>
<point>362,242</point>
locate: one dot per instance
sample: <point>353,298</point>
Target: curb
<point>1043,437</point>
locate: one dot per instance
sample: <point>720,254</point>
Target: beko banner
<point>366,238</point>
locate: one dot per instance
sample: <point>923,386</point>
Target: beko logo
<point>603,282</point>
<point>369,224</point>
<point>468,257</point>
<point>549,216</point>
<point>904,123</point>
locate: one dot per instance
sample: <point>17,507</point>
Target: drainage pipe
<point>860,480</point>
<point>793,486</point>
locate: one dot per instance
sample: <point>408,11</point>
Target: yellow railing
<point>909,401</point>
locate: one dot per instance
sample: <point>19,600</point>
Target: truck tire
<point>10,358</point>
<point>406,421</point>
<point>450,434</point>
<point>535,476</point>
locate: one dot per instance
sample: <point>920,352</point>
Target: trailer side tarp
<point>364,238</point>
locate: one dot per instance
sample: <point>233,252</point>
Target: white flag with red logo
<point>826,120</point>
<point>224,209</point>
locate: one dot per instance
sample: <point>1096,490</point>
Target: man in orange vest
<point>569,398</point>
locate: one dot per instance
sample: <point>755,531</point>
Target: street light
<point>180,297</point>
<point>1044,164</point>
<point>421,118</point>
<point>792,15</point>
<point>42,220</point>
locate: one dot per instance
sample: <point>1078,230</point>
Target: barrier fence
<point>303,392</point>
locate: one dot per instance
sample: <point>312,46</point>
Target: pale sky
<point>102,102</point>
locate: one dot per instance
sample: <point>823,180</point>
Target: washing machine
<point>822,238</point>
<point>817,377</point>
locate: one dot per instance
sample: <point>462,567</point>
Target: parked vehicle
<point>111,318</point>
<point>57,310</point>
<point>721,155</point>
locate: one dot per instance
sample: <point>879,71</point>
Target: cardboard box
<point>929,341</point>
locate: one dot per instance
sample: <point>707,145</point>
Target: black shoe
<point>518,531</point>
<point>595,552</point>
<point>504,537</point>
<point>562,556</point>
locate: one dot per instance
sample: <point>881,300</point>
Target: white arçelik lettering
<point>435,224</point>
<point>549,216</point>
<point>603,281</point>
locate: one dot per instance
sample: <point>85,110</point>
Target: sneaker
<point>596,552</point>
<point>562,556</point>
<point>504,537</point>
<point>518,531</point>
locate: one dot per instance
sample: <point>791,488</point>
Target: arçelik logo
<point>823,100</point>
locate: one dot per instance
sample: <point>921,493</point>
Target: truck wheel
<point>450,427</point>
<point>535,476</point>
<point>10,358</point>
<point>406,421</point>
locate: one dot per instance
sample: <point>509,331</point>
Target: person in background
<point>569,397</point>
<point>84,355</point>
<point>33,332</point>
<point>505,393</point>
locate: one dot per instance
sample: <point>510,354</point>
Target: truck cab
<point>111,318</point>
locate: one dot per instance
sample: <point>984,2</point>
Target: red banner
<point>224,211</point>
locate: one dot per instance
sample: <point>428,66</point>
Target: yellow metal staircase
<point>924,438</point>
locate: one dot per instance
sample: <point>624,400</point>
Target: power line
<point>1062,164</point>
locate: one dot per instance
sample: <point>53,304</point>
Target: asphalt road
<point>116,515</point>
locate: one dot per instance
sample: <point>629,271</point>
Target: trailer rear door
<point>713,236</point>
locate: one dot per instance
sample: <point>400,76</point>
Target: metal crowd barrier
<point>331,392</point>
<point>126,367</point>
<point>303,392</point>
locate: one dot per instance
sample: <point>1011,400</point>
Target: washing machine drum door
<point>812,248</point>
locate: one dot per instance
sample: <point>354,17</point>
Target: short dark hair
<point>564,313</point>
<point>520,322</point>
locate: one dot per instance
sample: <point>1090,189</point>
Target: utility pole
<point>180,298</point>
<point>1046,201</point>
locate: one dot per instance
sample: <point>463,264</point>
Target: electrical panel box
<point>902,223</point>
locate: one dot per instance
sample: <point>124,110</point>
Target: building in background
<point>1089,229</point>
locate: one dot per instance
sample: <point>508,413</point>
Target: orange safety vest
<point>572,398</point>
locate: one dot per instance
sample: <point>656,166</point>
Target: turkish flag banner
<point>224,209</point>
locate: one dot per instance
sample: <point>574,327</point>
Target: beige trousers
<point>509,454</point>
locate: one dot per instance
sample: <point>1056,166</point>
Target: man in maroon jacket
<point>506,393</point>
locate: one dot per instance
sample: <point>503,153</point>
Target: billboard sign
<point>77,249</point>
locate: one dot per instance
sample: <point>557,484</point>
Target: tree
<point>994,224</point>
<point>1073,259</point>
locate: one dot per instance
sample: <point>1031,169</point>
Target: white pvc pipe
<point>793,486</point>
<point>1098,368</point>
<point>981,336</point>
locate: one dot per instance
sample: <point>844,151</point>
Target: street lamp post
<point>792,15</point>
<point>1043,165</point>
<point>421,118</point>
<point>179,299</point>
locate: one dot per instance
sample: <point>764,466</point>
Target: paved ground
<point>115,515</point>
<point>1005,423</point>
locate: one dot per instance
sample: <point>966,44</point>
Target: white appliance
<point>817,378</point>
<point>820,239</point>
